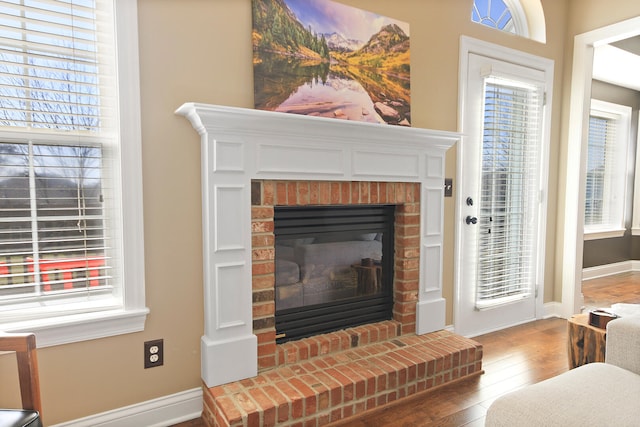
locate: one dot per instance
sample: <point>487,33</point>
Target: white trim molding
<point>160,412</point>
<point>598,271</point>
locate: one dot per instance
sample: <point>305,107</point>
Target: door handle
<point>471,219</point>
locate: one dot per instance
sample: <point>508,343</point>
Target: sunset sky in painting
<point>326,16</point>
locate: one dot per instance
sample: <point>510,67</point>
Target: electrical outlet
<point>153,353</point>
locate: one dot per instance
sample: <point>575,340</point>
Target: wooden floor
<point>513,358</point>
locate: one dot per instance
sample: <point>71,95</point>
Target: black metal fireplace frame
<point>306,221</point>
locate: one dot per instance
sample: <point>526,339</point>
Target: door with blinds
<point>499,234</point>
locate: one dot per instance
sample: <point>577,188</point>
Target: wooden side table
<point>586,342</point>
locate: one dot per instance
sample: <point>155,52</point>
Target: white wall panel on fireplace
<point>432,271</point>
<point>435,167</point>
<point>228,156</point>
<point>230,295</point>
<point>299,160</point>
<point>432,220</point>
<point>385,164</point>
<point>230,229</point>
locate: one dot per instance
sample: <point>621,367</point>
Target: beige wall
<point>200,50</point>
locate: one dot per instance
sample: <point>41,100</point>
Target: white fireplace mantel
<point>239,145</point>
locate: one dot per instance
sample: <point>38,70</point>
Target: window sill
<point>81,327</point>
<point>603,234</point>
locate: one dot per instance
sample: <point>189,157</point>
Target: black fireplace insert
<point>334,268</point>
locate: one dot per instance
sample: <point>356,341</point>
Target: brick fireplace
<point>254,160</point>
<point>266,194</point>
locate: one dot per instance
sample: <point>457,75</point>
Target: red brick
<point>364,192</point>
<point>263,310</point>
<point>355,193</point>
<point>401,195</point>
<point>261,212</point>
<point>382,193</point>
<point>281,403</point>
<point>281,193</point>
<point>292,193</point>
<point>263,254</point>
<point>303,193</point>
<point>335,193</point>
<point>314,193</point>
<point>348,411</point>
<point>374,196</point>
<point>260,240</point>
<point>359,407</point>
<point>345,190</point>
<point>336,415</point>
<point>268,193</point>
<point>264,405</point>
<point>325,193</point>
<point>407,219</point>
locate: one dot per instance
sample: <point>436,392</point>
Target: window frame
<point>622,114</point>
<point>131,315</point>
<point>527,18</point>
<point>635,224</point>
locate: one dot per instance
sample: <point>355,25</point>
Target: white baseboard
<point>552,309</point>
<point>161,412</point>
<point>609,269</point>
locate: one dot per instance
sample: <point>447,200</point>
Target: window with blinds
<point>57,137</point>
<point>606,169</point>
<point>509,191</point>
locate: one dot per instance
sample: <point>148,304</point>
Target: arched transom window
<point>494,14</point>
<point>521,17</point>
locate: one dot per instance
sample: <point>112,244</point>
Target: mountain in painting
<point>277,30</point>
<point>338,43</point>
<point>386,51</point>
<point>390,39</point>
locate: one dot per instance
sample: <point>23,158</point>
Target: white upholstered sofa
<point>595,394</point>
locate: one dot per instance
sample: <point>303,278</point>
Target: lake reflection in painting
<point>301,70</point>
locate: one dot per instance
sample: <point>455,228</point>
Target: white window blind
<point>607,167</point>
<point>58,141</point>
<point>509,191</point>
<point>600,155</point>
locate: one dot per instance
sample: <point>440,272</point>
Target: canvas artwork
<point>323,58</point>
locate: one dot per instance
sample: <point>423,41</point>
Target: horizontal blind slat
<point>508,173</point>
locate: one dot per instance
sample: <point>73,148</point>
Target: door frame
<point>470,45</point>
<point>571,246</point>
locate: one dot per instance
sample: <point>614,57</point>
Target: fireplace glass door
<point>333,267</point>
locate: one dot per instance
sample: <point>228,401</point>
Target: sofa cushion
<point>596,394</point>
<point>623,343</point>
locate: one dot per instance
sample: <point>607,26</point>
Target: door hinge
<point>536,292</point>
<point>544,98</point>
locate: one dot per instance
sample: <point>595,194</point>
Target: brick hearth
<point>333,376</point>
<point>343,381</point>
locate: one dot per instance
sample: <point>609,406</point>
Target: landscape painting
<point>323,58</point>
